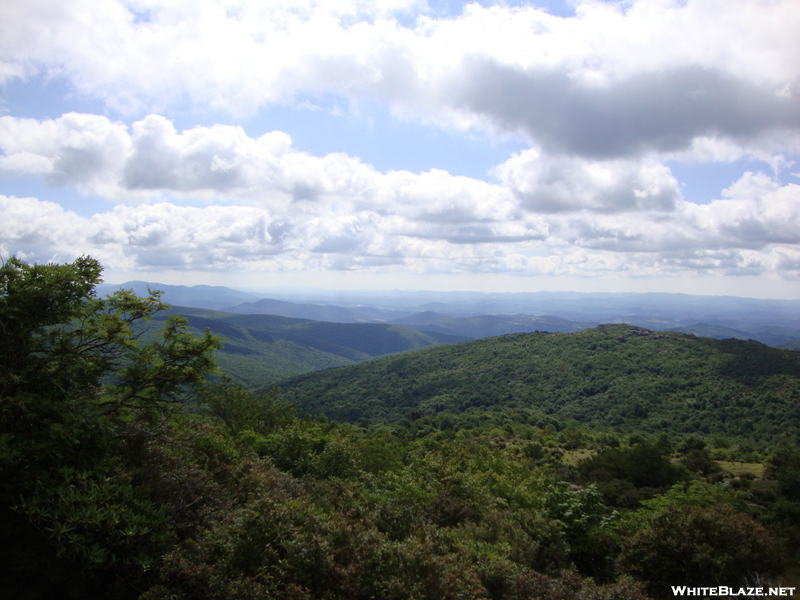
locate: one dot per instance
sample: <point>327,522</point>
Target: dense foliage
<point>127,472</point>
<point>617,375</point>
<point>80,398</point>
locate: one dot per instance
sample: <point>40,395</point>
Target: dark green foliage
<point>617,375</point>
<point>240,409</point>
<point>620,473</point>
<point>700,461</point>
<point>696,457</point>
<point>455,520</point>
<point>302,451</point>
<point>643,465</point>
<point>784,465</point>
<point>78,394</point>
<point>697,546</point>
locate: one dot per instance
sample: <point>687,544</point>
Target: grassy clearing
<point>573,457</point>
<point>739,468</point>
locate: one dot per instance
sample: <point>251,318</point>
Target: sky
<point>646,145</point>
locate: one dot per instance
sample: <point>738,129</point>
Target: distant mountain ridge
<point>475,314</point>
<point>316,312</point>
<point>772,336</point>
<point>198,296</point>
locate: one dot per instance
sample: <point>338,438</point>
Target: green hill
<point>795,345</point>
<point>617,375</point>
<point>489,325</point>
<point>260,350</point>
<point>714,331</point>
<point>771,335</point>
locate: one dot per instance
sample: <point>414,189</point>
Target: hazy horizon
<point>310,294</point>
<point>385,290</point>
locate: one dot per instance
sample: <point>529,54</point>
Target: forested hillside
<point>259,350</point>
<point>617,375</point>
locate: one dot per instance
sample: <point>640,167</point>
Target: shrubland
<point>131,468</point>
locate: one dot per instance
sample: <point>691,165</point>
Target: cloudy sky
<point>648,145</point>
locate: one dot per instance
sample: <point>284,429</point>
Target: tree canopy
<point>82,383</point>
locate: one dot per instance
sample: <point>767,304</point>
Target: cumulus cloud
<point>649,112</point>
<point>560,184</point>
<point>614,80</point>
<point>335,210</point>
<point>100,157</point>
<point>85,151</point>
<point>755,231</point>
<point>759,216</point>
<point>41,230</point>
<point>222,162</point>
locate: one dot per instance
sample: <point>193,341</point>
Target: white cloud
<point>615,80</point>
<point>222,162</point>
<point>605,97</point>
<point>97,156</point>
<point>561,184</point>
<point>759,216</point>
<point>753,232</point>
<point>85,151</point>
<point>334,211</point>
<point>41,230</point>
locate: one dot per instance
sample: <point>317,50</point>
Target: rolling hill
<point>316,312</point>
<point>794,345</point>
<point>618,375</point>
<point>489,325</point>
<point>212,297</point>
<point>770,335</point>
<point>262,349</point>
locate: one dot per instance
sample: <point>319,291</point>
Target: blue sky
<point>612,146</point>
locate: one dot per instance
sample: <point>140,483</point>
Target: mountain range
<point>476,315</point>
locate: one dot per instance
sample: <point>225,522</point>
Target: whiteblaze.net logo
<point>727,592</point>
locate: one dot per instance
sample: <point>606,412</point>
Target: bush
<point>697,546</point>
<point>643,465</point>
